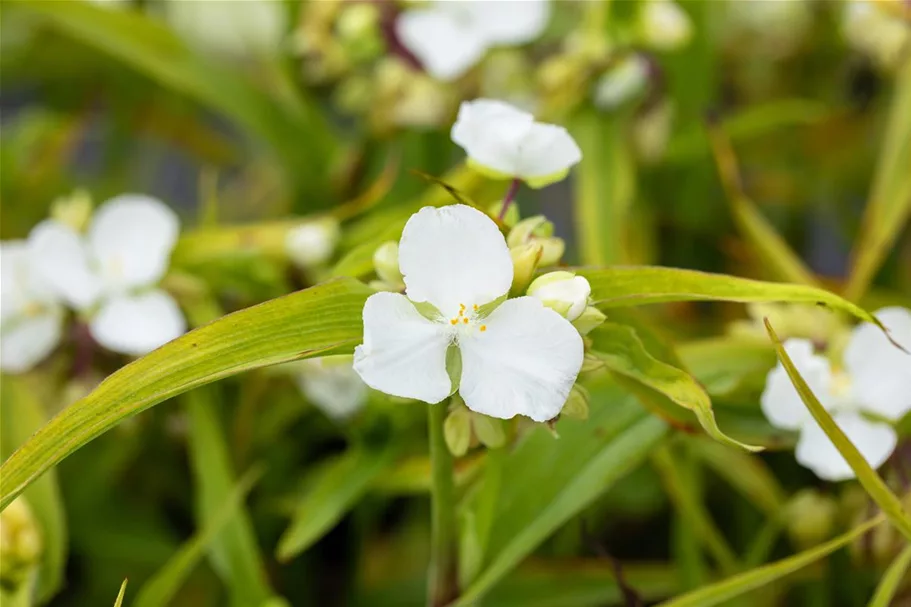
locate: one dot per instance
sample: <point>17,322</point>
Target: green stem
<point>443,576</point>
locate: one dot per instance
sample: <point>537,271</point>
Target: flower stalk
<point>442,586</point>
<point>509,197</point>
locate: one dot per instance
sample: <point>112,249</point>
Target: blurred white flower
<point>622,82</point>
<point>521,358</point>
<point>450,36</point>
<point>31,315</point>
<point>248,27</point>
<point>504,142</point>
<point>332,385</point>
<point>110,274</point>
<point>874,32</point>
<point>312,244</point>
<point>563,292</point>
<point>875,379</point>
<point>664,25</point>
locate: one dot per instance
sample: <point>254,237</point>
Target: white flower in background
<point>332,385</point>
<point>664,25</point>
<point>622,82</point>
<point>521,358</point>
<point>874,32</point>
<point>248,27</point>
<point>312,244</point>
<point>563,292</point>
<point>504,142</point>
<point>110,273</point>
<point>450,36</point>
<point>31,315</point>
<point>875,379</point>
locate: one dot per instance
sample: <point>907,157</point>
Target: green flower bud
<point>576,405</point>
<point>562,291</point>
<point>810,517</point>
<point>457,430</point>
<point>525,260</point>
<point>20,544</point>
<point>528,229</point>
<point>74,210</point>
<point>553,250</point>
<point>590,319</point>
<point>386,263</point>
<point>489,430</point>
<point>512,213</point>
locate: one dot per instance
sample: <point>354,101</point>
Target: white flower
<point>332,385</point>
<point>521,358</point>
<point>562,291</point>
<point>312,244</point>
<point>875,379</point>
<point>450,36</point>
<point>622,82</point>
<point>31,316</point>
<point>875,32</point>
<point>506,143</point>
<point>230,28</point>
<point>665,26</point>
<point>110,273</point>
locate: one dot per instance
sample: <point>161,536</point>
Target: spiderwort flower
<point>31,315</point>
<point>448,38</point>
<point>520,358</point>
<point>875,379</point>
<point>562,291</point>
<point>110,273</point>
<point>503,142</point>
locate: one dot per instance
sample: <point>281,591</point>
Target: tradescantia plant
<point>327,370</point>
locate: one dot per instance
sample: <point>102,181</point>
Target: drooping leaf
<point>871,482</point>
<point>738,585</point>
<point>325,319</point>
<point>333,489</point>
<point>892,579</point>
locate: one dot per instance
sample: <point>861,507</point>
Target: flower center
<point>466,318</point>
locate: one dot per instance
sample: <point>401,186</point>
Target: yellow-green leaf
<point>325,319</point>
<point>891,580</point>
<point>123,590</point>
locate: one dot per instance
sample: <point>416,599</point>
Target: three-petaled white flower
<point>450,36</point>
<point>504,142</point>
<point>110,273</point>
<point>31,315</point>
<point>875,379</point>
<point>520,358</point>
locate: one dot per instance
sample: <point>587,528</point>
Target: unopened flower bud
<point>624,81</point>
<point>810,517</point>
<point>386,263</point>
<point>562,291</point>
<point>576,405</point>
<point>590,319</point>
<point>488,430</point>
<point>528,229</point>
<point>20,543</point>
<point>664,25</point>
<point>525,259</point>
<point>312,244</point>
<point>589,361</point>
<point>457,430</point>
<point>73,210</point>
<point>357,20</point>
<point>553,250</point>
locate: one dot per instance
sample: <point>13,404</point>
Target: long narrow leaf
<point>892,579</point>
<point>123,590</point>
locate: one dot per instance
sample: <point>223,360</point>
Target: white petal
<point>14,275</point>
<point>491,133</point>
<point>880,372</point>
<point>509,22</point>
<point>137,324</point>
<point>524,363</point>
<point>59,254</point>
<point>548,151</point>
<point>312,244</point>
<point>445,45</point>
<point>333,386</point>
<point>454,255</point>
<point>403,353</point>
<point>131,238</point>
<point>815,451</point>
<point>780,402</point>
<point>28,340</point>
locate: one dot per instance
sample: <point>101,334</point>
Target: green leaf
<point>322,320</point>
<point>234,552</point>
<point>147,45</point>
<point>738,585</point>
<point>641,285</point>
<point>21,415</point>
<point>628,357</point>
<point>724,365</point>
<point>334,488</point>
<point>889,206</point>
<point>161,588</point>
<point>123,590</point>
<point>553,479</point>
<point>892,579</point>
<point>867,476</point>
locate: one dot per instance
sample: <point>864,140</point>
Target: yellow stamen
<point>475,307</point>
<point>454,321</point>
<point>483,327</point>
<point>465,320</point>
